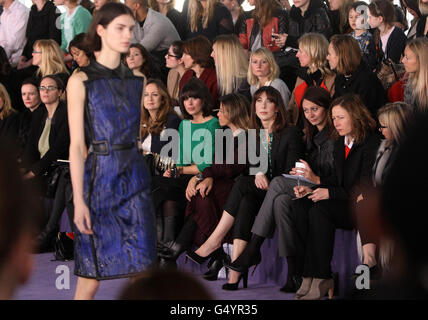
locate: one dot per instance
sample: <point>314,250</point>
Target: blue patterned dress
<point>116,182</point>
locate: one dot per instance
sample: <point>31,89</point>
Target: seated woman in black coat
<point>282,146</point>
<point>156,116</point>
<point>329,205</point>
<point>353,75</point>
<point>9,119</point>
<point>49,137</point>
<point>275,211</point>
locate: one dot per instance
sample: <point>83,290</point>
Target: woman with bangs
<point>352,73</point>
<point>280,145</point>
<point>314,71</point>
<point>231,65</point>
<point>157,115</point>
<point>169,190</point>
<point>208,18</point>
<point>264,71</point>
<point>199,63</point>
<point>207,192</point>
<point>329,204</point>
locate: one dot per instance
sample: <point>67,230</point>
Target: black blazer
<point>59,139</point>
<point>395,46</point>
<point>172,122</point>
<point>287,148</point>
<point>353,175</point>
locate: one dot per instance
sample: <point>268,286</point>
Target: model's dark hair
<point>273,95</point>
<point>321,97</point>
<point>195,88</point>
<point>104,16</point>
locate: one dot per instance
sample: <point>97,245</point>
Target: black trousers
<point>243,204</point>
<point>316,224</point>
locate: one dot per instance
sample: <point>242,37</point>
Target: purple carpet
<point>269,276</point>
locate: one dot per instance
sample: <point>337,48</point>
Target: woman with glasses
<point>175,63</point>
<point>48,139</point>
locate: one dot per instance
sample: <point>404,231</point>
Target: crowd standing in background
<point>331,90</point>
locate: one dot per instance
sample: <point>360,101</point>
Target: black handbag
<point>64,247</point>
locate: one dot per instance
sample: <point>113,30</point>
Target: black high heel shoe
<point>200,260</point>
<point>234,286</point>
<point>215,265</point>
<point>242,267</point>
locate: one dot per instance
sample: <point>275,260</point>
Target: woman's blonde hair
<point>52,58</point>
<point>418,81</point>
<point>397,117</point>
<point>155,5</point>
<point>7,105</point>
<point>195,13</point>
<point>316,47</point>
<point>231,63</point>
<point>148,125</point>
<point>268,56</point>
<point>423,7</point>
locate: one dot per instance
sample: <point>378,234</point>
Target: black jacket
<point>287,148</point>
<point>9,127</point>
<point>59,139</point>
<point>319,153</point>
<point>178,20</point>
<point>366,84</point>
<point>315,19</point>
<point>420,27</point>
<point>42,25</point>
<point>352,176</point>
<point>395,46</point>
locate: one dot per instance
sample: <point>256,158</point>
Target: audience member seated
<point>412,7</point>
<point>330,204</point>
<point>157,115</point>
<point>197,58</point>
<point>314,71</point>
<point>338,13</point>
<point>9,119</point>
<point>231,65</point>
<point>166,7</point>
<point>236,10</point>
<point>422,25</point>
<point>79,51</point>
<point>42,24</point>
<point>275,210</point>
<point>141,62</point>
<point>175,63</point>
<point>5,70</point>
<point>389,39</point>
<point>400,20</point>
<point>31,98</point>
<point>17,225</point>
<point>207,192</point>
<point>153,31</point>
<point>352,73</point>
<point>360,33</point>
<point>395,120</point>
<point>169,190</point>
<point>49,138</point>
<point>208,18</point>
<point>282,146</point>
<point>415,61</point>
<point>13,21</point>
<point>157,284</point>
<point>264,71</point>
<point>74,20</point>
<point>265,26</point>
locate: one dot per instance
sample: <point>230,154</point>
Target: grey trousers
<point>275,211</point>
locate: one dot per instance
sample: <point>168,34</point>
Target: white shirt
<point>13,25</point>
<point>348,143</point>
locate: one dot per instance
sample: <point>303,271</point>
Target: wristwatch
<point>199,177</point>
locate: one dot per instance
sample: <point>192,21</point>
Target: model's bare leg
<point>86,289</point>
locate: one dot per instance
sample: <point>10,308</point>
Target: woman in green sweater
<point>195,153</point>
<point>74,20</point>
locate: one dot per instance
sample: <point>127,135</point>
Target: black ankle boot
<point>172,250</point>
<point>215,265</point>
<point>293,284</point>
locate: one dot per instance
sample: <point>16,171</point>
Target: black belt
<point>103,147</point>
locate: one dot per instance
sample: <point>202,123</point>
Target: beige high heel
<point>319,288</point>
<point>304,288</point>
